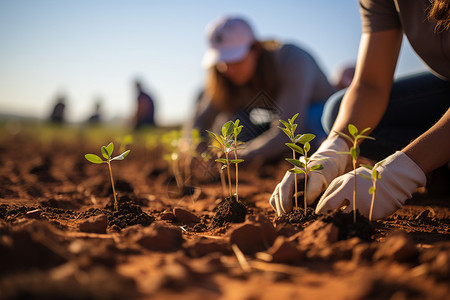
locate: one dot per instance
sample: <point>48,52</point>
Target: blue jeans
<point>416,103</point>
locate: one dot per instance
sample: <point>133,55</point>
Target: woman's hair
<point>228,97</point>
<point>440,12</point>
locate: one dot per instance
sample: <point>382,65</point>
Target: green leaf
<point>352,129</point>
<point>316,167</point>
<point>286,124</point>
<point>305,138</point>
<point>221,150</point>
<point>121,156</point>
<point>371,190</point>
<point>287,132</point>
<point>296,162</point>
<point>296,171</point>
<point>105,152</point>
<point>365,137</point>
<point>365,176</point>
<point>307,147</point>
<point>94,158</point>
<point>354,153</point>
<point>366,166</point>
<point>110,149</point>
<point>343,135</point>
<point>296,148</point>
<point>228,129</point>
<point>364,130</point>
<point>291,120</point>
<point>375,174</point>
<point>236,161</point>
<point>221,160</point>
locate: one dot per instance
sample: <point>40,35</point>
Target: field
<point>60,237</point>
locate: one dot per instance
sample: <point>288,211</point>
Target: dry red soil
<point>61,239</point>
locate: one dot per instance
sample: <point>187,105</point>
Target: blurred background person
<point>145,111</point>
<point>259,83</point>
<point>57,115</point>
<point>95,118</point>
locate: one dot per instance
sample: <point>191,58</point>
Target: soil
<point>60,237</point>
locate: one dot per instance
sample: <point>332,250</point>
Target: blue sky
<point>90,49</point>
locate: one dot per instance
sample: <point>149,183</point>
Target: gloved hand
<point>333,166</point>
<point>399,178</point>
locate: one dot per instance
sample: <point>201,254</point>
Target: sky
<point>89,50</point>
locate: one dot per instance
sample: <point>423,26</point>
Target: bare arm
<point>435,140</point>
<point>367,97</point>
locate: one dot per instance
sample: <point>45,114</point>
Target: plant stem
<point>373,200</point>
<point>295,182</point>
<point>116,207</point>
<point>354,193</point>
<point>237,176</point>
<point>304,192</point>
<point>229,175</point>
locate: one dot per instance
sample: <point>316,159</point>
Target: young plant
<point>171,140</point>
<point>107,153</point>
<point>374,176</point>
<point>355,139</point>
<point>236,130</point>
<point>226,145</point>
<point>302,166</point>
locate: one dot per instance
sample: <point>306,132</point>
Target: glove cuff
<point>407,174</point>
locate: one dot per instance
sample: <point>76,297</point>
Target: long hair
<point>439,11</point>
<point>229,97</point>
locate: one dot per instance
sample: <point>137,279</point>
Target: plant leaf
<point>305,138</point>
<point>366,166</point>
<point>110,149</point>
<point>365,176</point>
<point>316,167</point>
<point>345,136</point>
<point>365,137</point>
<point>296,148</point>
<point>236,161</point>
<point>375,174</point>
<point>105,152</point>
<point>228,129</point>
<point>353,130</point>
<point>296,162</point>
<point>221,160</point>
<point>307,147</point>
<point>296,171</point>
<point>121,156</point>
<point>286,124</point>
<point>354,153</point>
<point>94,158</point>
<point>364,130</point>
<point>291,120</point>
<point>371,190</point>
<point>287,132</point>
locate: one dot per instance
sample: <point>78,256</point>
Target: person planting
<point>398,111</point>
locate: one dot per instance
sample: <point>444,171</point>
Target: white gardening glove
<point>333,166</point>
<point>399,178</point>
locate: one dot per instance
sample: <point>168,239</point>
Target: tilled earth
<point>60,237</point>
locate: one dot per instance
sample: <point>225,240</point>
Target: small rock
<point>284,251</point>
<point>254,235</point>
<point>398,247</point>
<point>160,237</point>
<point>317,235</point>
<point>95,224</point>
<point>184,216</point>
<point>34,214</point>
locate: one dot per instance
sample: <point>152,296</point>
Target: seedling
<point>302,166</point>
<point>374,176</point>
<point>236,130</point>
<point>355,139</point>
<point>299,166</point>
<point>107,153</point>
<point>227,143</point>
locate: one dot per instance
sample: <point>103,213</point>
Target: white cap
<point>229,39</point>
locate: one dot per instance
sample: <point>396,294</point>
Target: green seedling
<point>236,131</point>
<point>299,165</point>
<point>374,176</point>
<point>107,153</point>
<point>355,139</point>
<point>226,144</point>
